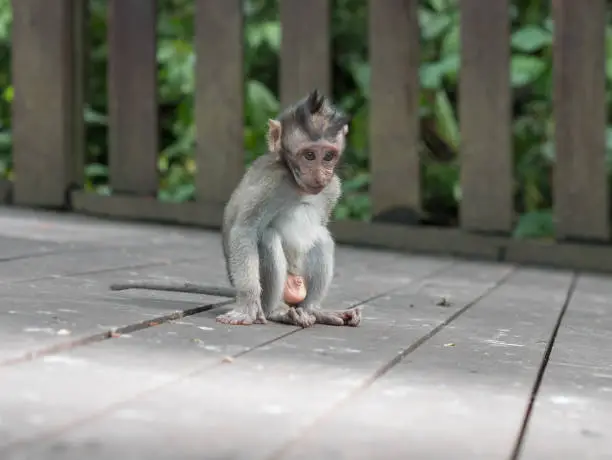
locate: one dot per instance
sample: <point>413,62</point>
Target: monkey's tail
<point>188,288</point>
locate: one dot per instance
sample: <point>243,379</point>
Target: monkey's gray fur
<point>275,222</point>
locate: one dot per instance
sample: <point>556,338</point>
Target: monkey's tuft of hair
<point>315,101</point>
<point>316,116</point>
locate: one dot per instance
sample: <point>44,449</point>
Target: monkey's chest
<point>299,228</point>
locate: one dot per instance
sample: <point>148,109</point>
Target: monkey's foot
<point>244,316</point>
<point>294,316</point>
<point>350,317</point>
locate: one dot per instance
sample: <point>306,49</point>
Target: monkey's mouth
<point>307,188</point>
<point>313,190</point>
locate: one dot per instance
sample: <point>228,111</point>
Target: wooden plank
<point>485,117</point>
<point>46,116</point>
<point>305,63</point>
<point>132,101</point>
<point>12,248</point>
<point>130,355</point>
<point>394,109</point>
<point>195,346</point>
<point>79,231</point>
<point>205,214</point>
<point>81,305</point>
<point>427,240</point>
<point>571,416</point>
<point>589,257</point>
<point>580,179</point>
<point>432,240</point>
<point>109,374</point>
<point>464,391</point>
<point>100,259</point>
<point>47,316</point>
<point>219,98</point>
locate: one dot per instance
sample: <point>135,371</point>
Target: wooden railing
<point>49,38</point>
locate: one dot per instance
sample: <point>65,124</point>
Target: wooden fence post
<point>219,98</point>
<point>395,189</point>
<point>580,178</point>
<point>305,62</point>
<point>47,111</point>
<point>132,101</point>
<point>485,117</point>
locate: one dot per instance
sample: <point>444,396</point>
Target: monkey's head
<point>309,138</point>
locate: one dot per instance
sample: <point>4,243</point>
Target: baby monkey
<point>279,253</point>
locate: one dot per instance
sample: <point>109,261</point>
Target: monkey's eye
<point>329,155</point>
<point>309,155</point>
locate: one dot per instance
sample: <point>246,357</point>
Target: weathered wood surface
<point>132,101</point>
<point>485,106</point>
<point>445,361</point>
<point>304,64</point>
<point>46,116</point>
<point>581,194</point>
<point>571,417</point>
<point>219,98</point>
<point>394,109</point>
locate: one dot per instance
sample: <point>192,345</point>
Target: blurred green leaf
<point>96,170</point>
<point>93,117</point>
<point>525,69</point>
<point>535,224</point>
<point>433,73</point>
<point>262,104</point>
<point>446,119</point>
<point>268,33</point>
<point>432,24</point>
<point>531,38</point>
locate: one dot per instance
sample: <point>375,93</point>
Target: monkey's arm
<point>332,196</point>
<point>189,288</point>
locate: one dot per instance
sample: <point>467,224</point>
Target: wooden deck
<point>445,366</point>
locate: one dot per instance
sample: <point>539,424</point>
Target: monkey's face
<point>309,138</point>
<point>313,165</point>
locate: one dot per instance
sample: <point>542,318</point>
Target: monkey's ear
<point>273,136</point>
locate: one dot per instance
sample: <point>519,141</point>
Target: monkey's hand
<point>244,315</point>
<point>349,317</point>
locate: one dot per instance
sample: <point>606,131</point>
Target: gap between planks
<point>109,334</point>
<point>520,439</point>
<point>418,281</point>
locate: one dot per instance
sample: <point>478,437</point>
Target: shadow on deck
<point>446,364</point>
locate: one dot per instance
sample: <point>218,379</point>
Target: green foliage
<point>531,65</point>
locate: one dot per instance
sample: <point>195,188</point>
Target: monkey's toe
<point>350,317</point>
<point>239,318</point>
<point>328,318</point>
<point>301,317</point>
<point>353,317</point>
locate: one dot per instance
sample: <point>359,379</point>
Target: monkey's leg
<point>319,271</point>
<point>273,275</point>
<point>243,268</point>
